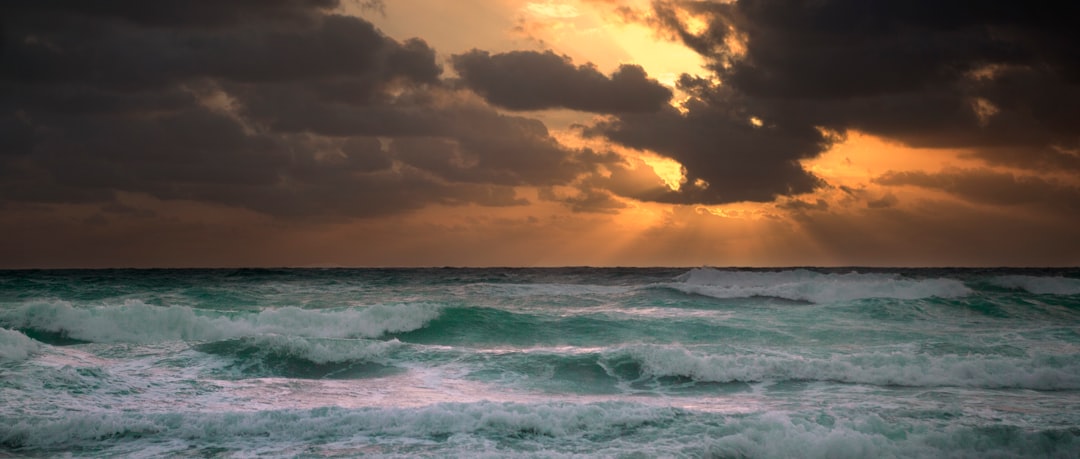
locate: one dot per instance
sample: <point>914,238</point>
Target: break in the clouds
<point>999,78</point>
<point>282,107</point>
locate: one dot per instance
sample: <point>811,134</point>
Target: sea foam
<point>137,322</point>
<point>488,429</point>
<point>555,419</point>
<point>16,346</point>
<point>805,285</point>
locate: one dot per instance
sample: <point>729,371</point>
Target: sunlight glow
<point>670,171</point>
<point>861,157</point>
<point>552,9</point>
<point>694,25</point>
<point>591,31</point>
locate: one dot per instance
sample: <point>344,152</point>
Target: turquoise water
<point>540,363</point>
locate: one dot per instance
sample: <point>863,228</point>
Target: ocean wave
<point>16,346</point>
<point>137,322</point>
<point>488,429</point>
<point>299,357</point>
<point>871,435</point>
<point>551,420</point>
<point>315,350</point>
<point>1048,372</point>
<point>1040,285</point>
<point>805,285</point>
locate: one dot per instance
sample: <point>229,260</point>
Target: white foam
<point>880,368</point>
<point>804,285</point>
<point>138,322</point>
<point>16,346</point>
<point>776,434</point>
<point>1040,285</point>
<point>554,419</point>
<point>487,429</point>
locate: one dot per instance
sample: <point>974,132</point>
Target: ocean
<point>561,362</point>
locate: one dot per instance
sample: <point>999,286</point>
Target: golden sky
<point>538,133</point>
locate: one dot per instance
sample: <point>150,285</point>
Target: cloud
<point>586,200</point>
<point>727,157</point>
<point>530,80</point>
<point>177,12</point>
<point>921,72</point>
<point>991,187</point>
<point>124,56</point>
<point>1000,79</point>
<point>800,205</point>
<point>931,232</point>
<point>884,202</point>
<point>281,107</point>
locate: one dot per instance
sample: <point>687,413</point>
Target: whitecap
<point>16,346</point>
<point>137,322</point>
<point>1046,372</point>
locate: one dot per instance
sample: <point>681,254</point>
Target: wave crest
<point>488,429</point>
<point>805,285</point>
<point>15,346</point>
<point>883,369</point>
<point>137,322</point>
<point>556,419</point>
<point>323,350</point>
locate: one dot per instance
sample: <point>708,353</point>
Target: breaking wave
<point>1048,372</point>
<point>488,429</point>
<point>16,346</point>
<point>137,322</point>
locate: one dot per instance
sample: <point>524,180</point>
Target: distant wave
<point>1040,285</point>
<point>805,285</point>
<point>876,368</point>
<point>16,346</point>
<point>526,290</point>
<point>137,322</point>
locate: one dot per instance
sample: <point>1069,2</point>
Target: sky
<point>320,133</point>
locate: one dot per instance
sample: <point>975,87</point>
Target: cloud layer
<point>284,107</point>
<point>271,121</point>
<point>530,80</point>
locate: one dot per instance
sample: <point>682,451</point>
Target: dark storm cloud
<point>280,107</point>
<point>124,56</point>
<point>999,77</point>
<point>530,80</point>
<point>177,12</point>
<point>721,148</point>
